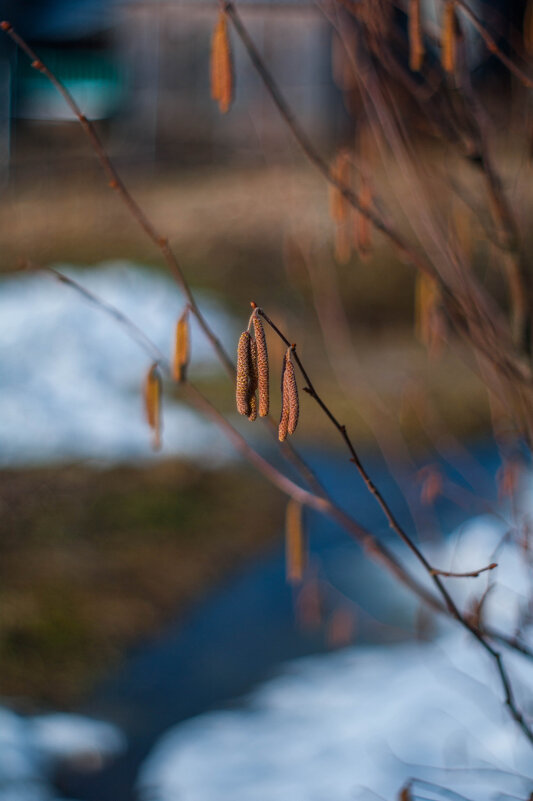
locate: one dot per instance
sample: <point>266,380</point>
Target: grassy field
<point>93,561</point>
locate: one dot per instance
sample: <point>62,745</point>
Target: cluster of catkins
<point>253,379</point>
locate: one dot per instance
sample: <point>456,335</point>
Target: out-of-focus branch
<point>312,154</point>
<point>492,45</point>
<point>480,27</point>
<point>459,306</point>
<point>117,184</point>
<point>518,269</point>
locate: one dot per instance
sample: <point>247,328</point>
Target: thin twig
<point>492,46</point>
<point>321,502</point>
<point>471,574</point>
<point>516,263</point>
<point>454,611</point>
<point>131,328</point>
<point>377,551</point>
<point>117,184</point>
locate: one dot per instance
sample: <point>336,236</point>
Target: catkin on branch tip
<point>252,384</point>
<point>416,42</point>
<point>290,407</point>
<point>262,365</point>
<point>449,37</point>
<point>242,389</point>
<point>221,65</point>
<point>152,403</point>
<point>181,348</point>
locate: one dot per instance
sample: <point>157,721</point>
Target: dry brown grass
<point>93,561</point>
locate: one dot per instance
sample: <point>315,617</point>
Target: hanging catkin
<point>262,365</point>
<point>295,556</point>
<point>292,396</point>
<point>181,348</point>
<point>290,406</point>
<point>221,65</point>
<point>284,416</point>
<point>416,42</point>
<point>242,389</point>
<point>252,387</point>
<point>152,403</point>
<point>448,37</point>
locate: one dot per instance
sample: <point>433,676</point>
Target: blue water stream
<point>244,629</point>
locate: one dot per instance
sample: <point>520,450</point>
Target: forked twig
<point>406,539</point>
<point>471,574</point>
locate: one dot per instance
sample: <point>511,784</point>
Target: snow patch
<point>30,749</point>
<point>363,721</point>
<point>72,377</point>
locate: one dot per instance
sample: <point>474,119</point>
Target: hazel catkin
<point>262,366</point>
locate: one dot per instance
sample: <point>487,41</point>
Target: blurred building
<point>142,68</point>
<point>164,47</point>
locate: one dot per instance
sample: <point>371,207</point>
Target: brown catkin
<point>252,386</point>
<point>152,403</point>
<point>295,551</point>
<point>284,416</point>
<point>262,366</point>
<point>242,390</point>
<point>221,65</point>
<point>181,348</point>
<point>448,37</point>
<point>292,394</point>
<point>416,42</point>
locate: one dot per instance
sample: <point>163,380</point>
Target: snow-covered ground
<point>72,377</point>
<point>362,721</point>
<point>30,749</point>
